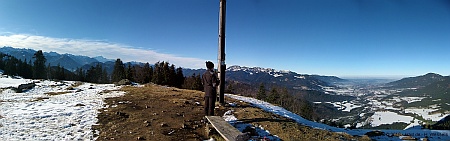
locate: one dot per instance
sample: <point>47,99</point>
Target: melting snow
<point>35,115</point>
<point>412,99</point>
<point>229,117</point>
<point>388,118</point>
<point>277,75</point>
<point>344,106</point>
<point>426,114</point>
<point>6,81</point>
<point>300,77</point>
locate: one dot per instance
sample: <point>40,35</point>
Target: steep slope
<point>64,61</point>
<point>109,66</point>
<point>444,124</point>
<point>21,54</point>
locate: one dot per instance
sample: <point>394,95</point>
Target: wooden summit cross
<point>226,130</point>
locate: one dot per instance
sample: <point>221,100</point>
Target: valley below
<point>377,106</point>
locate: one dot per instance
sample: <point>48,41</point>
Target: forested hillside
<point>416,82</point>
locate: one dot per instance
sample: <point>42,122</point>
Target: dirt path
<point>163,113</point>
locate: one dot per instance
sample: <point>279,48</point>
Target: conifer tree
<point>165,74</point>
<point>198,83</point>
<point>2,63</point>
<point>172,76</point>
<point>148,72</point>
<point>91,75</point>
<point>130,72</point>
<point>80,74</point>
<point>139,75</point>
<point>157,74</point>
<point>261,92</point>
<point>284,95</point>
<point>273,96</point>
<point>27,69</point>
<point>11,66</point>
<point>39,71</point>
<point>193,82</point>
<point>119,71</point>
<point>61,73</point>
<point>179,77</point>
<point>49,71</point>
<point>104,76</point>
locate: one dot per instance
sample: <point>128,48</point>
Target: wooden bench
<point>226,130</point>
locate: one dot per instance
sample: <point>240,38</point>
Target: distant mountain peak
<point>102,59</point>
<point>256,69</point>
<point>432,75</point>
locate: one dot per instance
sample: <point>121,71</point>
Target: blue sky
<point>328,37</point>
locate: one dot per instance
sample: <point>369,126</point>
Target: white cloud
<point>93,48</point>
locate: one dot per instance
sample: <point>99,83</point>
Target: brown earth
<point>163,113</point>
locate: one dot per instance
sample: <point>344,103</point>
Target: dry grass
<point>217,137</point>
<point>152,112</point>
<point>39,99</point>
<point>56,93</point>
<point>74,85</point>
<point>1,118</point>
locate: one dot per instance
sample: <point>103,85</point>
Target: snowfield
<point>387,117</point>
<point>51,110</point>
<point>426,114</point>
<point>7,81</point>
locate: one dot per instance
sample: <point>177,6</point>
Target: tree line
<point>16,67</point>
<point>162,73</point>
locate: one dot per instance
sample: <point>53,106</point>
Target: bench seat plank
<point>225,129</point>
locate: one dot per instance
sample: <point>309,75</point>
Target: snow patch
<point>230,118</point>
<point>427,114</point>
<point>7,81</point>
<point>412,99</point>
<point>300,77</point>
<point>388,117</point>
<point>35,115</point>
<point>344,105</point>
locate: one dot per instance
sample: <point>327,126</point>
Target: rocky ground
<point>160,113</point>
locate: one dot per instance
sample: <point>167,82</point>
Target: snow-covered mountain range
<point>270,76</point>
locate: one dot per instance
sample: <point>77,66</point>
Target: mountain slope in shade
<point>416,82</point>
<point>437,93</point>
<point>63,60</point>
<point>444,124</point>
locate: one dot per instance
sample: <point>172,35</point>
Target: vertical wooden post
<point>221,58</point>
